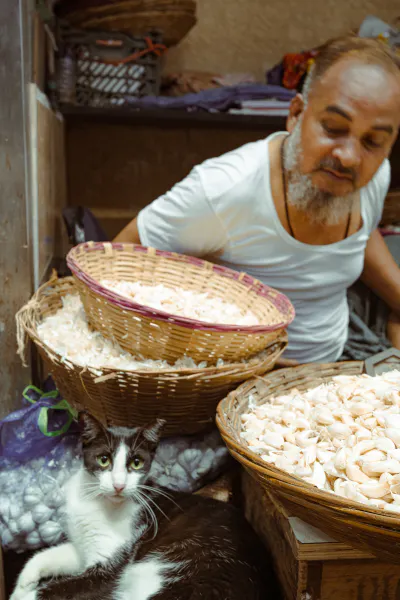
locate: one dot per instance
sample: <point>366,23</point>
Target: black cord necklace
<point>346,235</point>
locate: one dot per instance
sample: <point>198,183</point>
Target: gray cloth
<point>368,316</point>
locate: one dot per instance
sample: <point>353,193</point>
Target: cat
<point>130,540</point>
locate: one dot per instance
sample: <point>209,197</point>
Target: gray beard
<point>320,206</point>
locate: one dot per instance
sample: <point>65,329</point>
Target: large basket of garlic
<point>163,305</point>
<point>326,440</point>
<point>119,389</point>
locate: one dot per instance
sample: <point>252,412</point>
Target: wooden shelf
<point>175,117</point>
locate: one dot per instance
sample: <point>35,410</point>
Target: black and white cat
<point>129,540</point>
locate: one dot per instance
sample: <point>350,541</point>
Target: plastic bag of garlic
<point>32,500</point>
<point>342,437</point>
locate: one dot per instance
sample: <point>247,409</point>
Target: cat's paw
<point>27,584</point>
<point>24,593</point>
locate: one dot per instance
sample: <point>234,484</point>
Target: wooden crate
<point>311,565</point>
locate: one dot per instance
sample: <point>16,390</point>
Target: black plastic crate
<point>103,69</point>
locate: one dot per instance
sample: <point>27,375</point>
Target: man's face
<point>348,126</point>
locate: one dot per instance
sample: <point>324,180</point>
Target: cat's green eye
<point>104,461</point>
<point>137,463</point>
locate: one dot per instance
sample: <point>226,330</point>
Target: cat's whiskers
<point>158,491</point>
<point>148,499</point>
<point>143,502</point>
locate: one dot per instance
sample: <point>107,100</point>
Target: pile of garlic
<point>342,437</point>
<point>185,303</point>
<point>68,333</point>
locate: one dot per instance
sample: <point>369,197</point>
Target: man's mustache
<point>335,165</point>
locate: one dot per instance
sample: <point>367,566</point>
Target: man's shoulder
<point>378,186</point>
<point>240,167</point>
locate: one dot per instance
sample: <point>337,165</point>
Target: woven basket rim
<point>123,303</point>
<point>270,472</point>
<point>229,368</point>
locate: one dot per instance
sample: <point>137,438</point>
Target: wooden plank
<point>48,183</point>
<point>15,266</point>
<point>307,543</point>
<point>263,517</point>
<point>361,580</point>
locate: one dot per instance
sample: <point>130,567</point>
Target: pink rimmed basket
<point>155,334</point>
<point>185,397</point>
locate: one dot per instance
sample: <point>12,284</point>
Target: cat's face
<point>118,459</point>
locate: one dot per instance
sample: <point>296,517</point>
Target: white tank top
<point>225,205</point>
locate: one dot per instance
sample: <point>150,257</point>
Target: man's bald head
<point>363,50</point>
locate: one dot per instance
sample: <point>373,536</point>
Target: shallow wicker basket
<point>370,529</point>
<point>186,398</point>
<point>156,334</point>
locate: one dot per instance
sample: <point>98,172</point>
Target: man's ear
<point>295,111</point>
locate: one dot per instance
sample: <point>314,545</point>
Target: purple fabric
<point>219,99</point>
<point>275,75</point>
<point>20,436</point>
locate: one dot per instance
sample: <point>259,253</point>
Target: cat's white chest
<point>97,528</point>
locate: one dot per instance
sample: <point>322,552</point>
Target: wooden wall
<point>116,168</point>
<point>252,35</point>
<point>15,272</point>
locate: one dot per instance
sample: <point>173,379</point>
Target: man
<point>300,210</point>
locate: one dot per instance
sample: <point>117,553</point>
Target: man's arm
<point>382,275</point>
<point>130,234</point>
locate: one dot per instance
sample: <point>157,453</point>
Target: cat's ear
<point>152,433</point>
<point>91,428</point>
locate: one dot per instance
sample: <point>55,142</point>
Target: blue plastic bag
<point>37,428</point>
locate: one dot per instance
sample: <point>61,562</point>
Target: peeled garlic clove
<point>340,460</point>
<point>354,473</point>
<point>362,447</point>
<point>325,456</point>
<point>394,453</point>
<point>285,464</point>
<point>338,488</point>
<point>374,456</point>
<point>310,454</point>
<point>306,438</point>
<point>318,477</point>
<point>337,443</point>
<point>269,458</point>
<point>393,434</point>
<point>276,440</point>
<point>392,420</point>
<point>370,423</point>
<point>323,416</point>
<point>363,433</point>
<point>302,471</point>
<point>357,409</point>
<point>331,470</point>
<point>384,444</point>
<point>373,489</point>
<point>290,438</point>
<point>395,493</point>
<point>375,468</point>
<point>301,423</point>
<point>288,417</point>
<point>351,441</point>
<point>339,431</point>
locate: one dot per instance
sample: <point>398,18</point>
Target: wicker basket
<point>186,398</point>
<point>361,526</point>
<point>155,334</point>
<point>173,19</point>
